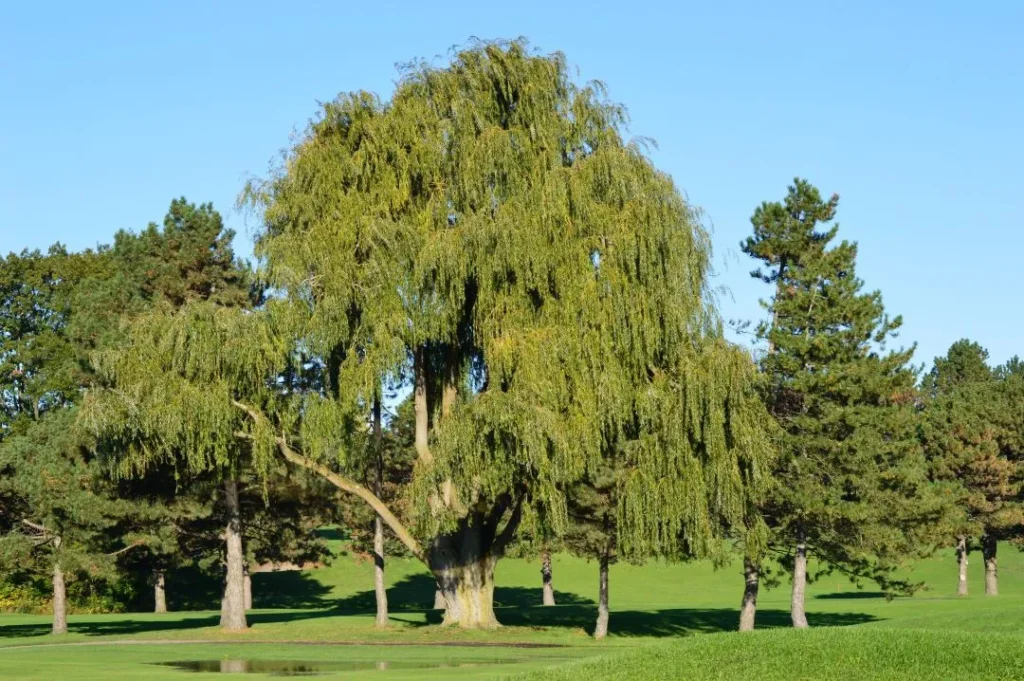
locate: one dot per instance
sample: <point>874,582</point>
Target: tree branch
<point>343,484</point>
<point>35,526</point>
<point>509,531</point>
<point>366,495</point>
<point>131,546</point>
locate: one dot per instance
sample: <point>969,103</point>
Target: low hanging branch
<point>345,485</point>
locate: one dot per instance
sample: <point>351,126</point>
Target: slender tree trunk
<point>988,549</point>
<point>60,601</point>
<point>796,607</point>
<point>961,559</point>
<point>247,588</point>
<point>751,583</point>
<point>159,591</point>
<point>379,587</point>
<point>545,576</point>
<point>232,613</point>
<point>601,628</point>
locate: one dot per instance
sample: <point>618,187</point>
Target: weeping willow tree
<point>489,237</point>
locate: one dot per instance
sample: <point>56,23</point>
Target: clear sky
<point>912,111</point>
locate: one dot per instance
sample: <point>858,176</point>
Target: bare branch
<point>366,495</point>
<point>343,484</point>
<point>131,546</point>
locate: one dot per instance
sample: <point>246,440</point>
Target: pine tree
<point>69,508</point>
<point>966,430</point>
<point>851,485</point>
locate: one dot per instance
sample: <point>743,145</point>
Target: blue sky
<point>912,111</point>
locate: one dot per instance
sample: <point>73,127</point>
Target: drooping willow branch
<point>344,484</point>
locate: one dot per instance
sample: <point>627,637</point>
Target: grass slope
<point>654,609</point>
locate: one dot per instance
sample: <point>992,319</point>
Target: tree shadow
<point>416,592</point>
<point>515,607</point>
<point>665,622</point>
<point>851,595</point>
<point>331,534</point>
<point>288,589</point>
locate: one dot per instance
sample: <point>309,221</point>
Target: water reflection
<point>302,668</point>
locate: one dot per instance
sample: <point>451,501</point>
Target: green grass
<point>656,610</point>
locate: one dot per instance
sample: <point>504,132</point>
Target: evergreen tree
<point>852,488</point>
<point>966,430</point>
<point>68,507</point>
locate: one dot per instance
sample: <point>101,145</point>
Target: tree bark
<point>421,408</point>
<point>439,602</point>
<point>60,601</point>
<point>796,608</point>
<point>988,549</point>
<point>601,628</point>
<point>464,569</point>
<point>247,588</point>
<point>159,591</point>
<point>961,559</point>
<point>545,576</point>
<point>232,613</point>
<point>379,588</point>
<point>751,584</point>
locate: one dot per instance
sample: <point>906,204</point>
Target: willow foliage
<point>169,389</point>
<point>493,216</point>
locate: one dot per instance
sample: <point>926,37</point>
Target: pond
<point>301,668</point>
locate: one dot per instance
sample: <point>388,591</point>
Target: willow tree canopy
<point>490,237</point>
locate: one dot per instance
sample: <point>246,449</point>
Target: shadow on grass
<point>416,592</point>
<point>850,595</point>
<point>516,607</point>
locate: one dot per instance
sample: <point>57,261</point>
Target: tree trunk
<point>60,601</point>
<point>961,559</point>
<point>247,587</point>
<point>601,628</point>
<point>159,591</point>
<point>379,588</point>
<point>988,549</point>
<point>545,576</point>
<point>463,565</point>
<point>468,592</point>
<point>751,583</point>
<point>232,612</point>
<point>796,607</point>
<point>439,602</point>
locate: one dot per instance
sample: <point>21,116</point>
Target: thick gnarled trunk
<point>751,584</point>
<point>159,591</point>
<point>601,628</point>
<point>545,576</point>
<point>232,612</point>
<point>463,565</point>
<point>60,601</point>
<point>797,610</point>
<point>961,560</point>
<point>988,550</point>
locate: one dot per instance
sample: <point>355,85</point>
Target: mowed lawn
<point>668,622</point>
